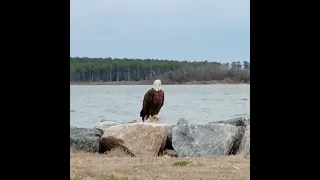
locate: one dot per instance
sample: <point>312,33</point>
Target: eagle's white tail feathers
<point>157,85</point>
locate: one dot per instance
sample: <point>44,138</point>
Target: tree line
<point>84,69</point>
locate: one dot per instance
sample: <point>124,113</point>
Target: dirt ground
<point>117,166</point>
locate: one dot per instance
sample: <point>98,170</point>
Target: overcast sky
<point>213,30</point>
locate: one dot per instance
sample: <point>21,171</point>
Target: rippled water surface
<point>196,103</point>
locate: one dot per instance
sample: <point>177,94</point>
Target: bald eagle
<point>152,102</point>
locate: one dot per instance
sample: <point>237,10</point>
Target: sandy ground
<point>116,166</point>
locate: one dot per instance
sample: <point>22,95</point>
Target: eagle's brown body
<point>152,102</point>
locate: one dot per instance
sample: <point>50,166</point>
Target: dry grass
<point>116,165</point>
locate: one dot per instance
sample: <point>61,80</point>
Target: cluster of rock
<point>154,138</point>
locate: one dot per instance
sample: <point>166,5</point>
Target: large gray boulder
<point>169,137</point>
<point>104,125</point>
<point>182,121</point>
<point>84,139</point>
<point>241,121</point>
<point>169,132</point>
<point>244,147</point>
<point>237,141</point>
<point>205,139</point>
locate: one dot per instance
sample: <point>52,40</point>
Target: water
<point>196,103</point>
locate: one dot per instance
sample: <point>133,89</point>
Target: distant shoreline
<point>150,82</point>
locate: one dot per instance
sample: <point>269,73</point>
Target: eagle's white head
<point>157,85</point>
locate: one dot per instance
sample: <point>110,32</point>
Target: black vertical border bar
<point>278,104</point>
<point>36,118</point>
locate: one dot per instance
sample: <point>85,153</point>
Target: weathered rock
<point>241,121</point>
<point>244,147</point>
<point>103,120</point>
<point>104,125</point>
<point>169,132</point>
<point>110,142</point>
<point>204,140</point>
<point>133,121</point>
<point>84,139</point>
<point>171,153</point>
<point>182,121</point>
<point>153,121</point>
<point>140,138</point>
<point>237,141</point>
<point>169,137</point>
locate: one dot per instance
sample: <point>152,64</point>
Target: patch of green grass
<point>181,163</point>
<point>109,177</point>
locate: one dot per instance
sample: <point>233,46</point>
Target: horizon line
<point>157,59</point>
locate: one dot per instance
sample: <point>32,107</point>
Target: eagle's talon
<point>156,117</point>
<point>151,118</point>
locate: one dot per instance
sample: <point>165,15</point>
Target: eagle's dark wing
<point>160,99</point>
<point>146,102</point>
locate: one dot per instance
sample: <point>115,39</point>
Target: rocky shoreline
<point>231,137</point>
